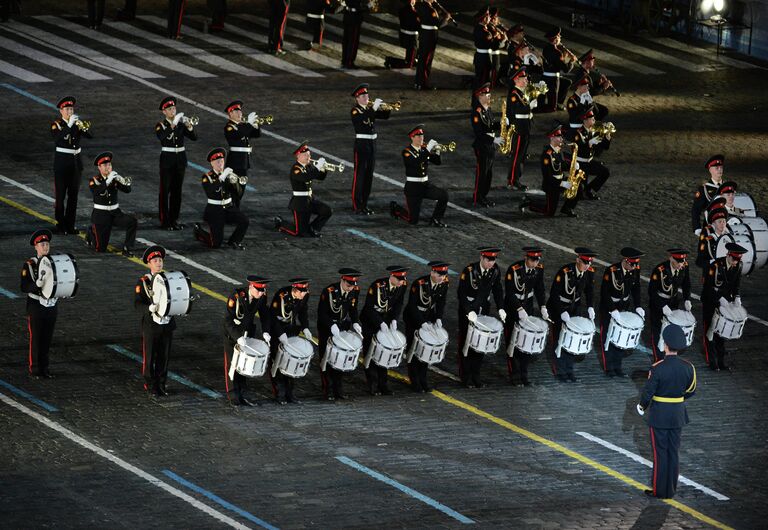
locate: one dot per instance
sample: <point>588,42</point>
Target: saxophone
<point>506,131</point>
<point>574,176</point>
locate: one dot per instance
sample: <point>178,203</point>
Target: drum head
<point>682,318</point>
<point>745,202</point>
<point>631,320</point>
<point>534,324</point>
<point>581,325</point>
<point>720,250</point>
<point>347,341</point>
<point>298,347</point>
<point>488,323</point>
<point>391,340</point>
<point>256,347</point>
<point>160,293</point>
<point>45,265</point>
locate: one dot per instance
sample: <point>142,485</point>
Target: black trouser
<point>427,46</point>
<point>417,369</point>
<point>156,352</point>
<point>714,350</point>
<point>558,91</point>
<point>599,171</point>
<point>548,204</point>
<point>40,323</point>
<point>413,203</point>
<point>171,181</point>
<point>95,13</point>
<point>656,321</point>
<point>302,220</point>
<point>362,179</point>
<point>519,152</point>
<point>218,15</point>
<point>469,366</point>
<point>375,375</point>
<point>409,43</point>
<point>564,363</point>
<point>66,187</point>
<point>129,10</point>
<point>483,67</point>
<point>239,383</point>
<point>175,16</point>
<point>611,357</point>
<point>282,386</point>
<point>102,222</point>
<point>217,217</point>
<point>278,14</point>
<point>331,378</point>
<point>350,40</point>
<point>483,172</point>
<point>317,27</point>
<point>666,461</point>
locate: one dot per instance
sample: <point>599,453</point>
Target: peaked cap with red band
<point>360,89</point>
<point>489,252</point>
<point>66,101</point>
<point>102,158</point>
<point>259,282</point>
<point>439,266</point>
<point>631,254</point>
<point>40,235</point>
<point>168,101</point>
<point>350,275</point>
<point>235,105</point>
<point>680,254</point>
<point>303,148</point>
<point>533,252</point>
<point>418,130</point>
<point>714,161</point>
<point>155,251</point>
<point>586,255</point>
<point>302,284</point>
<point>727,187</point>
<point>485,88</point>
<point>397,271</point>
<point>216,153</point>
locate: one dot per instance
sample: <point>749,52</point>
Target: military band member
<point>171,131</point>
<point>557,61</point>
<point>619,291</point>
<point>573,282</point>
<point>707,191</point>
<point>670,382</point>
<point>316,21</point>
<point>350,40</point>
<point>218,15</point>
<point>577,105</point>
<point>522,55</point>
<point>591,145</point>
<point>41,311</point>
<point>364,116</point>
<point>337,311</point>
<point>727,191</point>
<point>175,18</point>
<point>383,304</point>
<point>710,237</point>
<point>278,15</point>
<point>238,133</point>
<point>721,287</point>
<point>598,83</point>
<point>519,114</point>
<point>426,304</point>
<point>417,158</point>
<point>67,164</point>
<point>220,209</point>
<point>479,283</point>
<point>246,306</point>
<point>106,209</point>
<point>484,39</point>
<point>289,319</point>
<point>303,202</point>
<point>156,330</point>
<point>498,45</point>
<point>669,289</point>
<point>429,24</point>
<point>523,284</point>
<point>409,36</point>
<point>485,128</point>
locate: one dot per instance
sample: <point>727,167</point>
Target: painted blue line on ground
<point>27,395</point>
<point>215,498</point>
<point>199,167</point>
<point>28,95</point>
<point>8,294</point>
<point>405,489</point>
<point>173,375</point>
<point>394,248</point>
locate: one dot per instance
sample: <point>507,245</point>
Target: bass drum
<point>61,278</point>
<point>746,203</point>
<point>740,234</point>
<point>170,292</point>
<point>759,228</point>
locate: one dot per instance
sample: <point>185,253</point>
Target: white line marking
<point>121,463</point>
<point>21,73</point>
<point>81,52</point>
<point>252,53</point>
<point>648,463</point>
<point>50,60</point>
<point>193,263</point>
<point>26,188</point>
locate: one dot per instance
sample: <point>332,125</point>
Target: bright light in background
<point>718,5</point>
<point>709,5</point>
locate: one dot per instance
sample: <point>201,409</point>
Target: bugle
<point>237,179</point>
<point>387,106</point>
<point>191,120</point>
<point>83,125</point>
<point>330,168</point>
<point>266,119</point>
<point>449,147</point>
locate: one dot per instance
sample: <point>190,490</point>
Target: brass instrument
<point>191,120</point>
<point>237,179</point>
<point>373,6</point>
<point>603,129</point>
<point>83,125</point>
<point>450,147</point>
<point>506,131</point>
<point>330,168</point>
<point>266,119</point>
<point>574,176</point>
<point>387,106</point>
<point>125,181</point>
<point>534,90</point>
<point>446,14</point>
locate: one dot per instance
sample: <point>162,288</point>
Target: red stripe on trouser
<point>653,348</point>
<point>282,31</point>
<point>705,341</point>
<point>181,16</point>
<point>294,232</point>
<point>226,373</point>
<point>143,358</point>
<point>655,459</point>
<point>29,327</point>
<point>512,170</point>
<point>602,347</point>
<point>96,238</point>
<point>322,31</point>
<point>354,184</point>
<point>477,176</point>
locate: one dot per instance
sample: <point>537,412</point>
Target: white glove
<point>666,310</point>
<point>577,165</point>
<point>564,316</point>
<point>533,104</point>
<point>377,103</point>
<point>565,184</point>
<point>687,305</point>
<point>472,316</point>
<point>283,338</point>
<point>176,119</point>
<point>439,323</point>
<point>545,313</point>
<point>506,121</point>
<point>640,311</point>
<point>503,315</point>
<point>431,145</point>
<point>498,140</point>
<point>267,337</point>
<point>39,281</point>
<point>72,119</point>
<point>596,140</point>
<point>222,177</point>
<point>522,314</point>
<point>616,315</point>
<point>152,308</point>
<point>640,410</point>
<point>737,301</point>
<point>591,313</point>
<point>723,301</point>
<point>252,119</point>
<point>335,330</point>
<point>585,98</point>
<point>425,325</point>
<point>383,326</point>
<point>358,328</point>
<point>307,334</point>
<point>320,164</point>
<point>393,325</point>
<point>697,232</point>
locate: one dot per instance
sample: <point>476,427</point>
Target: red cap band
<point>440,269</point>
<point>258,285</point>
<point>586,259</point>
<point>167,104</point>
<point>103,159</point>
<point>155,254</point>
<point>236,106</point>
<point>416,132</point>
<point>40,238</point>
<point>679,257</point>
<point>360,91</point>
<point>400,274</point>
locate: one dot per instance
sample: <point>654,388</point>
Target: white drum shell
<point>576,335</point>
<point>746,203</point>
<point>253,357</point>
<point>294,355</point>
<point>530,335</point>
<point>343,351</point>
<point>759,229</point>
<point>429,344</point>
<point>61,278</point>
<point>484,335</point>
<point>625,334</point>
<point>728,321</point>
<point>682,318</point>
<point>387,348</point>
<point>171,293</point>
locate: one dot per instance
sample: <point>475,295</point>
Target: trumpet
<point>603,129</point>
<point>266,119</point>
<point>330,168</point>
<point>449,147</point>
<point>125,181</point>
<point>534,90</point>
<point>191,120</point>
<point>373,6</point>
<point>236,179</point>
<point>83,125</point>
<point>387,106</point>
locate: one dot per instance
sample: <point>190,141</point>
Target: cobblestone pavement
<point>503,456</point>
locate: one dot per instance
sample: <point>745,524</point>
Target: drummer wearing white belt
<point>106,212</point>
<point>669,289</point>
<point>245,306</point>
<point>573,282</point>
<point>238,133</point>
<point>41,311</point>
<point>710,237</point>
<point>523,284</point>
<point>707,191</point>
<point>620,291</point>
<point>156,331</point>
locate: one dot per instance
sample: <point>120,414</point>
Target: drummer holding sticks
<point>289,318</point>
<point>245,306</point>
<point>337,312</point>
<point>669,289</point>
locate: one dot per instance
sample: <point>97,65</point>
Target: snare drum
<point>343,351</point>
<point>61,278</point>
<point>429,344</point>
<point>252,358</point>
<point>529,336</point>
<point>728,321</point>
<point>293,356</point>
<point>684,319</point>
<point>576,336</point>
<point>484,334</point>
<point>625,332</point>
<point>170,292</point>
<point>387,348</point>
<point>746,203</point>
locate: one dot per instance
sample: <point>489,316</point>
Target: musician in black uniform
<point>426,304</point>
<point>417,158</point>
<point>238,133</point>
<point>591,145</point>
<point>363,118</point>
<point>484,39</point>
<point>106,212</point>
<point>522,54</point>
<point>577,105</point>
<point>41,311</point>
<point>95,13</point>
<point>278,15</point>
<point>523,284</point>
<point>555,169</point>
<point>727,192</point>
<point>175,18</point>
<point>409,36</point>
<point>710,236</point>
<point>707,191</point>
<point>619,291</point>
<point>485,128</point>
<point>669,289</point>
<point>289,319</point>
<point>670,382</point>
<point>67,164</point>
<point>383,304</point>
<point>572,282</point>
<point>721,287</point>
<point>598,83</point>
<point>171,131</point>
<point>430,23</point>
<point>316,21</point>
<point>478,284</point>
<point>156,330</point>
<point>350,40</point>
<point>557,61</point>
<point>498,45</point>
<point>220,209</point>
<point>245,307</point>
<point>218,15</point>
<point>336,312</point>
<point>519,114</point>
<point>303,202</point>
